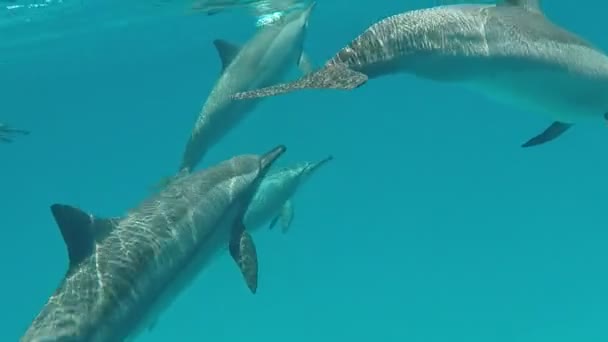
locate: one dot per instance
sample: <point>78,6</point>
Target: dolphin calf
<point>272,202</point>
<point>124,271</point>
<point>262,61</point>
<point>7,133</point>
<point>509,51</point>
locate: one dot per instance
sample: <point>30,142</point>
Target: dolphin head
<point>251,167</point>
<point>249,170</point>
<point>239,176</point>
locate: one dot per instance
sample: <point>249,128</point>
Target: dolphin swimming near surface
<point>264,60</point>
<point>124,271</point>
<point>509,51</point>
<point>258,7</point>
<point>273,200</point>
<point>7,133</point>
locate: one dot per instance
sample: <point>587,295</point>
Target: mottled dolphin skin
<point>124,271</point>
<point>509,51</point>
<point>263,61</point>
<point>7,133</point>
<point>273,200</point>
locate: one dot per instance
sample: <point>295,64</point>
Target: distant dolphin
<point>124,271</point>
<point>263,61</point>
<point>258,7</point>
<point>272,202</point>
<point>7,133</point>
<point>509,51</point>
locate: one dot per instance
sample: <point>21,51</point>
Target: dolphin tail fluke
<point>552,132</point>
<point>331,77</point>
<point>242,249</point>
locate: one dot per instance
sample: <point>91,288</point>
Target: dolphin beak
<point>309,8</point>
<point>271,156</point>
<point>314,167</point>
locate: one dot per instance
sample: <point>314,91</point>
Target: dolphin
<point>262,61</point>
<point>124,271</point>
<point>509,51</point>
<point>7,133</point>
<point>257,7</point>
<point>272,201</point>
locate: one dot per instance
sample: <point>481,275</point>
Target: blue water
<point>431,224</point>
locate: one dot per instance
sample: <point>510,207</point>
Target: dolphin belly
<point>554,90</point>
<point>556,94</point>
<point>267,202</point>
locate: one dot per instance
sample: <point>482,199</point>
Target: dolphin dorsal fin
<point>530,5</point>
<point>80,231</point>
<point>227,51</point>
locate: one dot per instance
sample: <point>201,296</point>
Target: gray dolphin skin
<point>263,61</point>
<point>273,200</point>
<point>124,271</point>
<point>7,133</point>
<point>509,51</point>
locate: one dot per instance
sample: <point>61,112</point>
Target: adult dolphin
<point>124,271</point>
<point>509,51</point>
<point>264,60</point>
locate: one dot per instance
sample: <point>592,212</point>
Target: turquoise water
<point>431,224</point>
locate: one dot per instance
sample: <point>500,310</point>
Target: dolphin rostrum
<point>273,200</point>
<point>124,271</point>
<point>262,61</point>
<point>257,7</point>
<point>509,51</point>
<point>7,133</point>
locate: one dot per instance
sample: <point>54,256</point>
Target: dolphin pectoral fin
<point>555,130</point>
<point>286,216</point>
<point>152,325</point>
<point>305,64</point>
<point>332,77</point>
<point>242,249</point>
<point>273,222</point>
